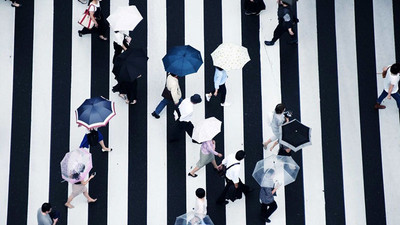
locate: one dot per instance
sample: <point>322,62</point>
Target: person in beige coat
<point>172,94</point>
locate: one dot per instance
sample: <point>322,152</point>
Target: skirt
<point>205,159</point>
<point>78,189</point>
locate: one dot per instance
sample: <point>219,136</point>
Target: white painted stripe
<point>271,91</point>
<point>39,163</point>
<point>233,115</point>
<point>80,90</point>
<point>118,166</point>
<point>6,89</point>
<point>156,128</point>
<point>310,113</point>
<point>194,36</point>
<point>389,117</point>
<point>353,183</point>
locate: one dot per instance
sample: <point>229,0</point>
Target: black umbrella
<point>130,64</point>
<point>295,135</point>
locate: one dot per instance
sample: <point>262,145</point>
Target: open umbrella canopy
<point>229,56</point>
<point>206,129</point>
<point>130,64</point>
<point>125,18</point>
<point>76,165</point>
<point>295,135</point>
<point>95,112</point>
<point>182,60</point>
<point>275,169</point>
<point>193,219</point>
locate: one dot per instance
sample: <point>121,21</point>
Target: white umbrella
<point>229,56</point>
<point>125,18</point>
<point>206,129</point>
<point>275,169</point>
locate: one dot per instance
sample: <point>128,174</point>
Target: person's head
<point>174,75</point>
<point>200,193</point>
<point>280,108</point>
<point>395,68</point>
<point>240,155</point>
<point>195,99</point>
<point>46,207</point>
<point>219,68</point>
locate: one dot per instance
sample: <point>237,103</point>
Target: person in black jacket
<point>253,7</point>
<point>286,21</point>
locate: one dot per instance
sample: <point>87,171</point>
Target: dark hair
<point>219,68</point>
<point>280,108</point>
<point>75,176</point>
<point>200,193</point>
<point>395,68</point>
<point>240,155</point>
<point>172,74</point>
<point>46,207</point>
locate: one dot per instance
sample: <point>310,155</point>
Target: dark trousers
<point>242,187</point>
<point>268,209</point>
<point>180,126</point>
<point>101,29</point>
<point>279,31</point>
<point>222,92</point>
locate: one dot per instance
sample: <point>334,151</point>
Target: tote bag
<point>85,19</point>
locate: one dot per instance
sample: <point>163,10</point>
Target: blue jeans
<point>396,96</point>
<point>162,105</point>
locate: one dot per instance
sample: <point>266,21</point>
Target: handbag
<point>223,169</point>
<point>166,94</point>
<point>85,19</point>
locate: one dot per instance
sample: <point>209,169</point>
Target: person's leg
<point>396,96</point>
<point>279,30</point>
<point>85,31</point>
<point>214,163</point>
<point>271,209</point>
<point>267,143</point>
<point>380,99</point>
<point>161,106</point>
<point>89,199</point>
<point>221,198</point>
<point>273,146</point>
<point>102,29</point>
<point>194,170</point>
<point>222,92</point>
<point>264,210</point>
<point>69,200</point>
<point>188,126</point>
<point>245,188</point>
<point>101,142</point>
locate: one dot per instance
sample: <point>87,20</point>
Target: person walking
<point>100,23</point>
<point>93,138</point>
<point>233,182</point>
<point>171,94</point>
<point>200,206</point>
<point>278,119</point>
<point>78,188</point>
<point>391,85</point>
<point>220,78</point>
<point>207,155</point>
<point>253,7</point>
<point>121,43</point>
<point>286,21</point>
<point>44,215</point>
<point>268,204</point>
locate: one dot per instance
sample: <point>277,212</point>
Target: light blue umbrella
<point>182,60</point>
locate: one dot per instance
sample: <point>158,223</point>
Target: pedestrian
<point>93,138</point>
<point>44,215</point>
<point>183,117</point>
<point>200,206</point>
<point>234,186</point>
<point>15,4</point>
<point>220,78</point>
<point>100,23</point>
<point>286,21</point>
<point>253,7</point>
<point>278,119</point>
<point>78,188</point>
<point>207,155</point>
<point>268,204</point>
<point>171,94</point>
<point>121,43</point>
<point>391,85</point>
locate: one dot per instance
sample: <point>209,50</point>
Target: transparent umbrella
<point>275,169</point>
<point>192,218</point>
<point>76,165</point>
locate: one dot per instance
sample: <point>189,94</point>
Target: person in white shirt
<point>391,85</point>
<point>183,116</point>
<point>232,164</point>
<point>277,120</point>
<point>200,206</point>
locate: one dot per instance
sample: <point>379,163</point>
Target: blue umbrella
<point>182,60</point>
<point>95,112</point>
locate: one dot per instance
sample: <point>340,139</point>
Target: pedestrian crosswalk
<point>329,81</point>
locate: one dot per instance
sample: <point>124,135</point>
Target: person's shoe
<point>225,104</point>
<point>269,43</point>
<point>379,106</point>
<point>80,33</point>
<point>103,38</point>
<point>16,5</point>
<point>192,175</point>
<point>106,150</point>
<point>82,1</point>
<point>155,115</point>
<point>267,220</point>
<point>123,96</point>
<point>208,97</point>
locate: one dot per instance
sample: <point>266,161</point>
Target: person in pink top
<point>207,155</point>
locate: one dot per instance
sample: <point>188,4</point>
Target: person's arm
<point>87,181</point>
<point>236,185</point>
<point>389,96</point>
<point>217,81</point>
<point>55,221</point>
<point>276,188</point>
<point>91,13</point>
<point>384,71</point>
<point>173,86</point>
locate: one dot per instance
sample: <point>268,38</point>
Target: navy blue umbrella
<point>182,60</point>
<point>95,112</point>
